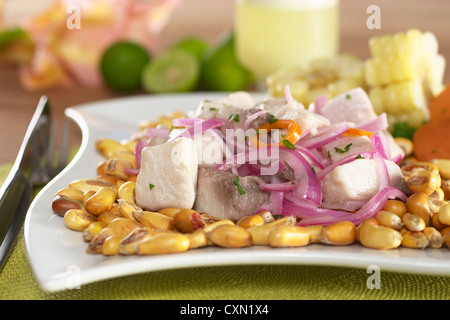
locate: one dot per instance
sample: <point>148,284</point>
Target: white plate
<point>57,255</point>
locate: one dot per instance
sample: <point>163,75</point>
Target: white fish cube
<point>351,106</point>
<point>351,185</point>
<point>168,175</point>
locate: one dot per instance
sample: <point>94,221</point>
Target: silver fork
<point>41,157</point>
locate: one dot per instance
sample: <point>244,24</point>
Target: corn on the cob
<point>328,77</point>
<point>404,73</point>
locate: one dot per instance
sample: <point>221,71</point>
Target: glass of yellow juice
<point>274,34</point>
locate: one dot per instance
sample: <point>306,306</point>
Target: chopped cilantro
<point>234,117</point>
<point>348,96</point>
<point>403,129</point>
<point>174,127</point>
<point>359,157</point>
<point>288,144</point>
<point>272,119</point>
<point>239,187</point>
<point>151,186</point>
<point>346,148</point>
<point>212,109</point>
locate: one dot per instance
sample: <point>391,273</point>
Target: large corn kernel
<point>163,243</point>
<point>118,168</point>
<point>61,204</point>
<point>446,236</point>
<point>444,214</point>
<point>78,220</point>
<point>423,181</point>
<point>197,239</point>
<point>289,236</point>
<point>413,222</point>
<point>126,191</point>
<point>101,201</point>
<point>434,237</point>
<point>92,230</point>
<point>396,206</point>
<point>106,147</point>
<point>339,233</point>
<point>187,220</point>
<point>128,244</point>
<point>127,209</point>
<point>389,219</point>
<point>154,219</point>
<point>71,193</point>
<point>230,236</point>
<point>374,236</point>
<point>314,233</point>
<point>443,166</point>
<point>418,204</point>
<point>123,226</point>
<point>90,184</point>
<point>414,239</point>
<point>110,246</point>
<point>251,221</point>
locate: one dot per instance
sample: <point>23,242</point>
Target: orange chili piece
<point>293,135</point>
<point>358,132</point>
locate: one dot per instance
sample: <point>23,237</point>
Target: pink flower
<point>71,36</point>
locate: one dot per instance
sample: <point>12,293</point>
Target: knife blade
<point>16,192</point>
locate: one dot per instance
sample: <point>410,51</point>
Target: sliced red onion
<point>368,210</point>
<point>141,144</point>
<point>328,169</point>
<point>186,122</point>
<point>307,184</point>
<point>321,101</point>
<point>312,156</point>
<point>378,124</point>
<point>281,186</point>
<point>378,145</point>
<point>324,135</point>
<point>252,118</point>
<point>383,173</point>
<point>276,197</point>
<point>131,171</point>
<point>199,127</point>
<point>156,132</point>
<point>287,94</point>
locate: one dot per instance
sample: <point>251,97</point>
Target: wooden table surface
<point>208,19</point>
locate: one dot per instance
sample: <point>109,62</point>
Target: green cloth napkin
<point>259,282</point>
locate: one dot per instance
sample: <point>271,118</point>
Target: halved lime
<point>195,45</point>
<point>221,70</point>
<point>121,65</point>
<point>173,71</point>
<point>11,35</point>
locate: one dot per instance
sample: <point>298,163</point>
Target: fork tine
<point>63,155</point>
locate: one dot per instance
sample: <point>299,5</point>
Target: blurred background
<point>208,20</point>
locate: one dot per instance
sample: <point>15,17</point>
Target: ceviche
<point>236,172</point>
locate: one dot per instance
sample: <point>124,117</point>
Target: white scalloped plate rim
<point>57,255</point>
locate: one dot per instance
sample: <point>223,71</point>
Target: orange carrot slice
<point>440,106</point>
<point>431,140</point>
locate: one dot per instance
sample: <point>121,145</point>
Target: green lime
<point>122,64</point>
<point>9,36</point>
<point>221,70</point>
<point>173,71</point>
<point>195,45</point>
